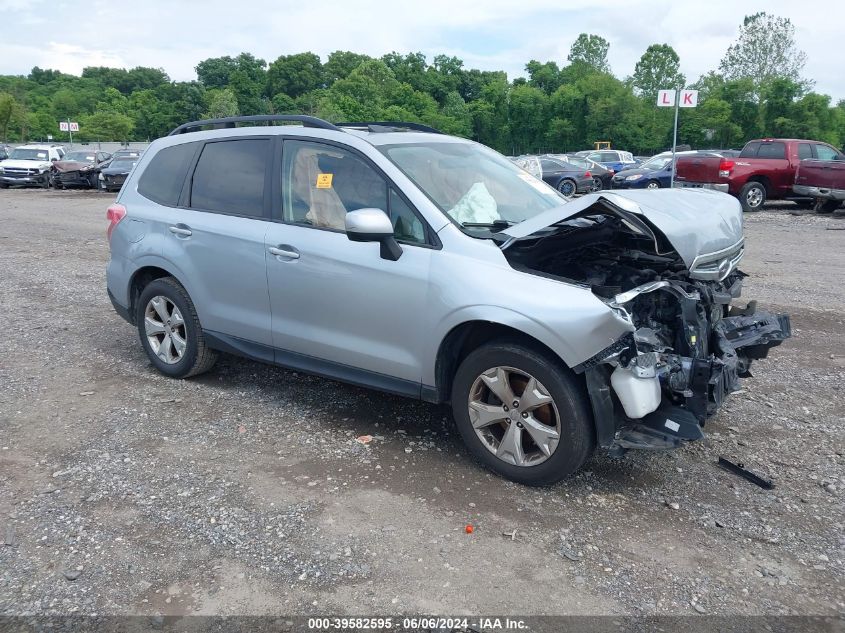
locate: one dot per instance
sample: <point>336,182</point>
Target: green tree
<point>546,76</point>
<point>658,68</point>
<point>221,103</point>
<point>8,106</point>
<point>294,75</point>
<point>340,64</point>
<point>590,50</point>
<point>765,50</point>
<point>105,126</point>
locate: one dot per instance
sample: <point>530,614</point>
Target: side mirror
<point>54,160</point>
<point>373,225</point>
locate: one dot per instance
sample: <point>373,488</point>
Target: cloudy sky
<point>486,34</point>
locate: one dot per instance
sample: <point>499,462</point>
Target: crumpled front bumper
<point>691,388</point>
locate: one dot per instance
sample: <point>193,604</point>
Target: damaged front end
<point>655,387</point>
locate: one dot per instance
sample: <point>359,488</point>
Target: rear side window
<point>750,150</point>
<point>229,177</point>
<point>804,151</point>
<point>163,178</point>
<point>772,150</point>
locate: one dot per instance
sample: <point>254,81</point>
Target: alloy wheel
<point>165,329</point>
<point>653,185</point>
<point>597,184</point>
<point>514,416</point>
<point>754,197</point>
<point>567,188</point>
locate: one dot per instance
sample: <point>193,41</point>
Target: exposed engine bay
<point>688,346</point>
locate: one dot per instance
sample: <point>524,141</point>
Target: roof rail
<point>391,126</point>
<point>232,121</point>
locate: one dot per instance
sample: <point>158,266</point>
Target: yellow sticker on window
<point>324,181</point>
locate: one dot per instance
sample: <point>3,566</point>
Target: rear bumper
<point>819,192</point>
<point>123,311</point>
<point>715,186</point>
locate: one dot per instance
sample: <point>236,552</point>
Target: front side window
<point>229,177</point>
<point>471,183</point>
<point>322,183</point>
<point>823,152</point>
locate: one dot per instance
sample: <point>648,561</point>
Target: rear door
<point>780,168</point>
<point>216,237</point>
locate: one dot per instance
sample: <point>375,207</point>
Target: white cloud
<point>488,34</point>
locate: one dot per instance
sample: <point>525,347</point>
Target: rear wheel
<point>567,187</point>
<point>170,330</point>
<point>752,196</point>
<point>522,414</point>
<point>598,185</point>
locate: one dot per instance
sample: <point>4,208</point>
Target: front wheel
<point>752,196</point>
<point>522,414</point>
<point>826,206</point>
<point>653,184</point>
<point>170,330</point>
<point>567,187</point>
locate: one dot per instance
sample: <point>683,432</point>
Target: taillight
<point>115,214</point>
<point>588,175</point>
<point>725,167</point>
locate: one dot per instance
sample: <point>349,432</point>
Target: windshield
<point>27,153</point>
<point>656,164</point>
<point>473,184</point>
<point>126,164</point>
<point>82,157</point>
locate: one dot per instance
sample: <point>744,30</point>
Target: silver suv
<point>391,256</point>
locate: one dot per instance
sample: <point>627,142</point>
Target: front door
<point>338,308</point>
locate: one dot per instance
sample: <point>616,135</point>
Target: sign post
<point>679,99</point>
<point>70,127</point>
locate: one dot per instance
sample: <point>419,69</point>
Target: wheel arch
<point>465,337</point>
<point>142,277</point>
<point>763,180</point>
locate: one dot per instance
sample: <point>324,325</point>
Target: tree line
<point>758,90</point>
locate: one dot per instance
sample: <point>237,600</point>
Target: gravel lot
<point>245,491</point>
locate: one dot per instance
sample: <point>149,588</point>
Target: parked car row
<point>50,166</point>
<point>768,169</point>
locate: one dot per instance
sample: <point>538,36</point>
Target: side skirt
<point>317,366</point>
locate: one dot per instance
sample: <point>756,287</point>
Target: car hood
<point>72,165</point>
<point>25,164</point>
<point>116,171</point>
<point>633,171</point>
<point>696,222</point>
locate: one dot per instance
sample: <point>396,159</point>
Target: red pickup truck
<point>822,180</point>
<point>764,170</point>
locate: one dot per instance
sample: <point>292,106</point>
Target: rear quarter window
<point>164,176</point>
<point>772,150</point>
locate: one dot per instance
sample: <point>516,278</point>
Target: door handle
<point>284,251</point>
<point>182,230</point>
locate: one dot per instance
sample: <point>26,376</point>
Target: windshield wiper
<point>495,224</point>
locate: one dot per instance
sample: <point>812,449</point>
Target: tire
<point>752,196</point>
<point>569,408</point>
<point>598,185</point>
<point>567,187</point>
<point>46,183</point>
<point>4,185</point>
<point>196,357</point>
<point>826,206</point>
<point>652,184</point>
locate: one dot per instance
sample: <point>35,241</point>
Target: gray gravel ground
<point>245,491</point>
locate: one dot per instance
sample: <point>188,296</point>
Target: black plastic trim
<point>122,311</point>
<point>313,365</point>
